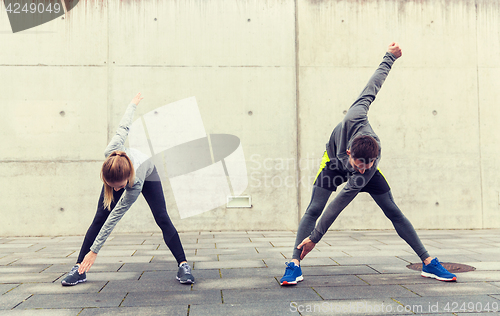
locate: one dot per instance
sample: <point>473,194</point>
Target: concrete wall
<point>277,74</point>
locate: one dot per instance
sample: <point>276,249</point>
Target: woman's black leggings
<point>153,193</point>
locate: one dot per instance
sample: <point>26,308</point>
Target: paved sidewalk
<point>237,273</point>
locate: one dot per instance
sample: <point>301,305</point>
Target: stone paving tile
<point>391,269</point>
<point>285,250</point>
<point>25,269</point>
<point>337,270</point>
<point>390,260</point>
<point>279,233</point>
<point>184,238</point>
<point>230,264</point>
<point>57,288</point>
<point>331,280</point>
<point>141,267</point>
<point>28,277</point>
<point>369,248</point>
<point>365,291</point>
<point>443,258</point>
<point>479,276</point>
<point>248,273</point>
<point>483,257</point>
<point>408,278</point>
<point>110,253</point>
<point>365,242</point>
<point>276,239</point>
<point>452,288</point>
<point>255,282</point>
<point>14,246</point>
<point>268,309</point>
<point>46,253</point>
<point>201,274</point>
<point>378,253</point>
<point>41,312</point>
<point>137,311</point>
<point>225,240</point>
<point>4,288</point>
<point>162,276</point>
<point>226,251</point>
<point>8,260</point>
<point>192,246</point>
<point>249,256</point>
<point>279,294</point>
<point>97,267</point>
<point>484,266</point>
<point>185,234</point>
<point>166,260</point>
<point>451,304</point>
<point>72,300</point>
<point>287,244</point>
<point>244,245</point>
<point>11,300</point>
<point>327,253</point>
<point>107,276</point>
<point>36,260</point>
<point>170,284</point>
<point>481,251</point>
<point>313,262</point>
<point>143,259</point>
<point>234,233</point>
<point>169,259</point>
<point>166,298</point>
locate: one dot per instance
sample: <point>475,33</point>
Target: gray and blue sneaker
<point>184,274</point>
<point>73,277</point>
<point>436,271</point>
<point>293,274</point>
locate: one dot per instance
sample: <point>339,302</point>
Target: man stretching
<point>352,155</point>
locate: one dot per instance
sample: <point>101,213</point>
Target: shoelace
<point>440,267</point>
<point>187,269</point>
<point>289,269</point>
<point>72,272</point>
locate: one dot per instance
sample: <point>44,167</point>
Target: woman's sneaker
<point>73,277</point>
<point>184,274</point>
<point>436,271</point>
<point>293,274</point>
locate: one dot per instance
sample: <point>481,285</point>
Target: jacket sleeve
<point>123,205</point>
<point>118,141</point>
<point>359,109</point>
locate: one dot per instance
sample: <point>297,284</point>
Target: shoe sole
<point>298,279</point>
<point>184,282</point>
<point>71,284</point>
<point>433,276</point>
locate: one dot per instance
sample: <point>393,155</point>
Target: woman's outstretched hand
<point>137,99</point>
<point>87,262</point>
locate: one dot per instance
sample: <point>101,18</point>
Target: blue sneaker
<point>73,277</point>
<point>293,274</point>
<point>436,271</point>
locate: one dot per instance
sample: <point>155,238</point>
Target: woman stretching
<point>126,173</point>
